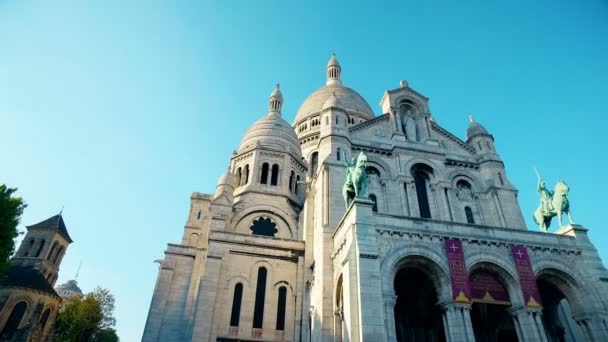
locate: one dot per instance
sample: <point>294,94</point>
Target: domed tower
<point>329,112</point>
<point>268,165</point>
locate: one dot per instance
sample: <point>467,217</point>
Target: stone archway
<point>493,292</point>
<point>560,299</point>
<point>418,289</point>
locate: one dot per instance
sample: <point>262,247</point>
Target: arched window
<point>260,295</point>
<point>235,314</point>
<point>295,188</point>
<point>502,181</point>
<point>420,180</point>
<point>479,145</point>
<point>42,242</point>
<point>246,175</point>
<point>45,317</point>
<point>239,173</point>
<point>337,121</point>
<point>27,249</point>
<point>263,226</point>
<point>292,177</point>
<point>59,251</point>
<point>469,214</point>
<point>370,170</point>
<point>338,154</point>
<point>264,178</point>
<point>282,303</point>
<point>314,161</point>
<point>374,199</point>
<point>198,216</point>
<point>488,145</point>
<point>51,253</point>
<point>12,323</point>
<point>274,179</point>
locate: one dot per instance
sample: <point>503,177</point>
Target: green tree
<point>87,318</point>
<point>11,209</point>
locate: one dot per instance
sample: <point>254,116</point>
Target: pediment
<point>378,128</point>
<point>221,200</point>
<point>451,142</point>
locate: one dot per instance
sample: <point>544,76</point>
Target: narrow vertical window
<point>327,120</point>
<point>239,173</point>
<point>198,216</point>
<point>59,251</point>
<point>274,179</point>
<point>338,154</point>
<point>375,200</point>
<point>469,214</point>
<point>260,295</point>
<point>264,178</point>
<point>27,249</point>
<point>246,180</point>
<point>42,242</point>
<point>235,314</point>
<point>45,317</point>
<point>314,160</point>
<point>488,145</point>
<point>50,255</point>
<point>337,121</point>
<point>420,180</point>
<point>479,145</point>
<point>292,177</point>
<point>502,181</point>
<point>295,188</point>
<point>282,302</point>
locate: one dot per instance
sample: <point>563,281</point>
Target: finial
<point>275,101</point>
<point>403,84</point>
<point>61,211</point>
<point>333,71</point>
<point>471,119</point>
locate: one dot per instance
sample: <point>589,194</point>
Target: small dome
<point>475,129</point>
<point>346,99</point>
<point>272,129</point>
<point>68,289</point>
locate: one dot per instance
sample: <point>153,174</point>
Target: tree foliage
<point>87,318</point>
<point>11,209</point>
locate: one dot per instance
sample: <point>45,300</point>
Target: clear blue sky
<point>119,110</point>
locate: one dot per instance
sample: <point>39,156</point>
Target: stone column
<point>457,322</point>
<point>593,328</point>
<point>528,325</point>
<point>389,316</point>
<point>414,210</point>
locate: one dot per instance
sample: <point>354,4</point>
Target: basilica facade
<point>436,249</point>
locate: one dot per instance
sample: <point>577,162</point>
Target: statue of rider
<point>546,197</point>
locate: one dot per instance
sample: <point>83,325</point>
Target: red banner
<point>486,288</point>
<point>461,290</point>
<point>527,280</point>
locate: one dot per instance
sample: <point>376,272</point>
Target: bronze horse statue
<point>552,203</point>
<point>355,184</point>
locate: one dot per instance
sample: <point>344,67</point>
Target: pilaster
<point>457,322</point>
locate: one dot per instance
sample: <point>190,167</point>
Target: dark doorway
<point>557,315</point>
<point>417,315</point>
<point>492,323</point>
<point>490,315</point>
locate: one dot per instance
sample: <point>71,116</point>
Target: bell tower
<point>44,246</point>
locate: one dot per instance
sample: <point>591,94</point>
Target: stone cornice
<point>452,137</point>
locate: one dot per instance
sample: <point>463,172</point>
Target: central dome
<point>345,98</point>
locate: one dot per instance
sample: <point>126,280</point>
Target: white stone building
<point>274,255</point>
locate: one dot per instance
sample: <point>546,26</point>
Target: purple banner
<point>526,277</point>
<point>461,291</point>
<point>485,288</point>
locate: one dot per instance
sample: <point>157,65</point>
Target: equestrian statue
<point>355,184</point>
<point>552,203</point>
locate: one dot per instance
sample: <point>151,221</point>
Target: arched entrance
<point>417,315</point>
<point>557,313</point>
<point>490,316</point>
